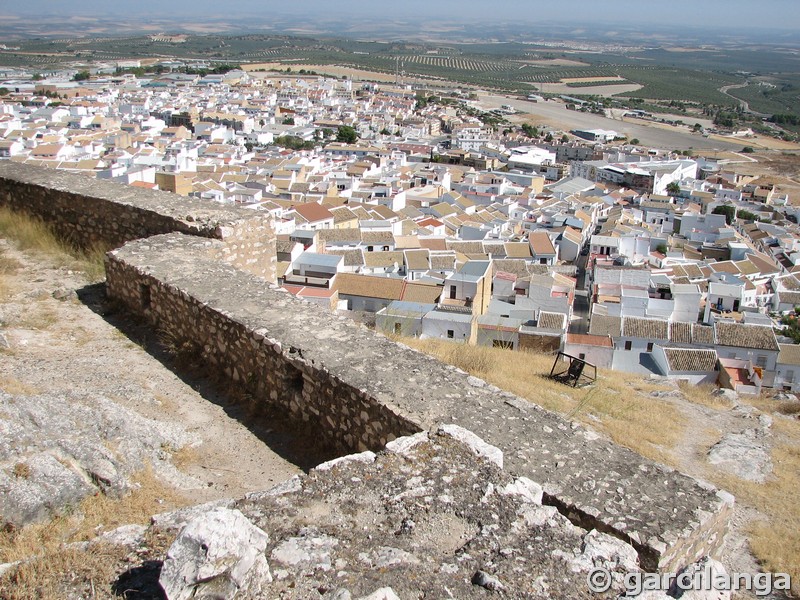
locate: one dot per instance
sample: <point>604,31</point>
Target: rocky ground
<point>86,404</point>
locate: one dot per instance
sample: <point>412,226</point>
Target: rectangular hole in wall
<point>144,295</point>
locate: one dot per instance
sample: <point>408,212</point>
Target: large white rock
<point>219,554</point>
<point>474,443</point>
<point>744,454</point>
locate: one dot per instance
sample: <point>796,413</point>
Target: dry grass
<point>8,267</point>
<point>184,456</point>
<point>645,424</point>
<point>32,235</point>
<point>702,394</point>
<point>15,387</point>
<point>56,567</point>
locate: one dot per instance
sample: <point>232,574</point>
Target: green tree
<point>635,141</point>
<point>727,210</point>
<point>288,121</point>
<point>385,131</point>
<point>661,248</point>
<point>548,138</point>
<point>346,134</point>
<point>81,76</point>
<point>564,138</point>
<point>673,189</point>
<point>4,91</point>
<point>748,150</point>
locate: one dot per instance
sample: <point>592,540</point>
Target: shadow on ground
<point>283,436</point>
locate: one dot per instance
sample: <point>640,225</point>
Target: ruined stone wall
<point>90,213</point>
<point>209,292</point>
<point>236,342</point>
<point>358,390</point>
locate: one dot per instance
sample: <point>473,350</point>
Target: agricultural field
<point>657,75</point>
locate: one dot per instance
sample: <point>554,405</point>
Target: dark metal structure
<point>573,371</point>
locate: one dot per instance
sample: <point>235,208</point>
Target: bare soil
<point>81,344</point>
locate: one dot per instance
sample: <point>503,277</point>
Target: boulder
<point>219,554</point>
<point>743,454</point>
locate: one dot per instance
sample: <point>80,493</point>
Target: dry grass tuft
<point>648,425</point>
<point>184,456</point>
<point>15,387</point>
<point>53,564</point>
<point>30,234</point>
<point>21,470</point>
<point>702,394</point>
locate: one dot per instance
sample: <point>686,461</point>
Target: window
<point>397,328</point>
<point>582,355</point>
<point>628,345</point>
<point>450,334</point>
<point>650,346</point>
<point>452,292</point>
<point>761,361</point>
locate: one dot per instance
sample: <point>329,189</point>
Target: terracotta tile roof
<point>691,360</point>
<point>417,259</point>
<point>540,244</point>
<point>424,293</point>
<point>680,333</point>
<point>740,335</point>
<point>443,261</point>
<point>382,238</point>
<point>465,247</point>
<point>726,266</point>
<point>789,354</point>
<point>551,320</point>
<point>382,259</point>
<point>789,297</point>
<point>433,243</point>
<point>349,234</point>
<point>313,212</point>
<point>342,214</point>
<point>383,288</point>
<point>702,334</point>
<point>518,250</point>
<point>605,325</point>
<point>651,329</point>
<point>353,257</point>
<point>589,340</point>
<point>512,265</point>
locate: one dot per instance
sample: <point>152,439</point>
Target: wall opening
<point>144,296</point>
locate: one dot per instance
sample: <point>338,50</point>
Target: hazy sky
<point>784,14</point>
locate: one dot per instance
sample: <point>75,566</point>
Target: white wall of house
<point>599,356</point>
<point>787,377</point>
<point>436,325</point>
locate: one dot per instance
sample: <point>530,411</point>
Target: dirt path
<point>77,346</point>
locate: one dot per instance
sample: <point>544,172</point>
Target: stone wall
<point>90,213</point>
<point>209,293</point>
<point>231,321</point>
<point>358,390</point>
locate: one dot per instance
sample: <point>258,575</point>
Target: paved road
<point>555,114</point>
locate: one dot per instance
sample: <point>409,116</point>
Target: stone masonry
<point>210,293</point>
<point>90,213</point>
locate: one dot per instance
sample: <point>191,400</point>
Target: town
<point>421,212</point>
